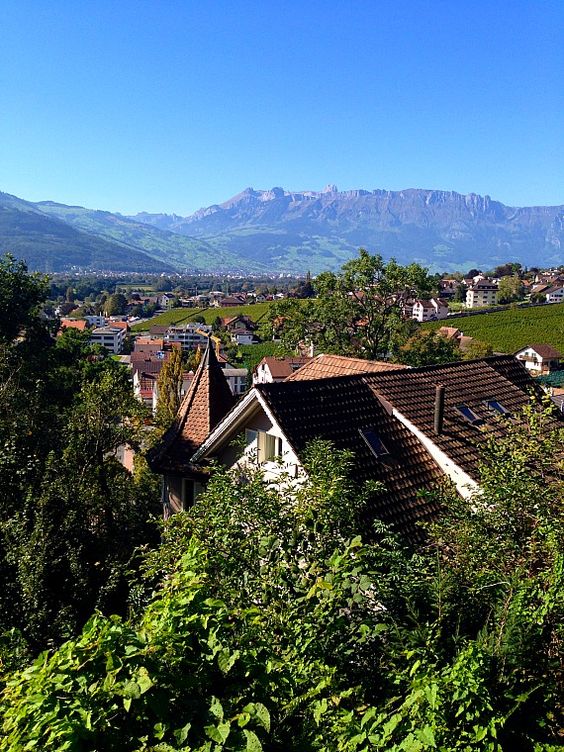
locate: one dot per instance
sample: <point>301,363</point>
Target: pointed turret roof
<point>206,402</point>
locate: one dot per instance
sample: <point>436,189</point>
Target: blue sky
<point>169,106</point>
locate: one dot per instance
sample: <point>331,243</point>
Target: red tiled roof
<point>206,402</point>
<point>79,324</point>
<point>450,332</point>
<point>324,366</point>
<point>473,383</point>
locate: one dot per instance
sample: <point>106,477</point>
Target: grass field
<point>508,331</point>
<point>184,315</point>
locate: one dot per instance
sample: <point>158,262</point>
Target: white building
<point>555,294</point>
<point>539,358</point>
<point>112,338</point>
<point>481,293</point>
<point>95,320</point>
<point>237,379</point>
<point>430,310</point>
<point>189,335</point>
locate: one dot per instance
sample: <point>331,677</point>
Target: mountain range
<point>284,231</point>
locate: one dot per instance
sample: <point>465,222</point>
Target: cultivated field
<point>508,331</point>
<point>183,315</point>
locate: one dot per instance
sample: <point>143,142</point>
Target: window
<point>191,489</point>
<point>374,442</point>
<point>497,407</point>
<point>469,415</point>
<point>269,446</point>
<point>250,436</point>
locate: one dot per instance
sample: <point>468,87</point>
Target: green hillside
<point>49,245</point>
<point>255,312</point>
<point>177,250</point>
<point>508,331</point>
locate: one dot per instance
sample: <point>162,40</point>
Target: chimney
<point>439,408</point>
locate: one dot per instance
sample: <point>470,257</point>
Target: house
<point>272,368</point>
<point>407,429</point>
<point>429,310</point>
<point>95,320</point>
<point>539,359</point>
<point>215,297</point>
<point>422,310</point>
<point>237,379</point>
<point>167,301</point>
<point>80,324</point>
<point>230,301</point>
<point>143,386</point>
<point>555,294</point>
<point>158,330</point>
<point>207,401</point>
<point>448,287</point>
<point>190,336</point>
<point>449,332</point>
<point>110,337</point>
<point>481,293</point>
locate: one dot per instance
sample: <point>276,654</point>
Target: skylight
<point>374,442</point>
<point>469,415</point>
<point>497,407</point>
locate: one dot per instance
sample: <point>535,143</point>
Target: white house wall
<point>230,456</point>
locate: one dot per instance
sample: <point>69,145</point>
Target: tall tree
<point>358,311</point>
<point>169,386</point>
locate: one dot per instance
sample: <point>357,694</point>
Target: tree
<point>163,284</point>
<point>115,305</point>
<point>460,293</point>
<point>477,349</point>
<point>71,540</point>
<point>510,269</point>
<point>21,295</point>
<point>169,385</point>
<point>510,289</point>
<point>359,311</point>
<point>426,348</point>
<point>305,288</point>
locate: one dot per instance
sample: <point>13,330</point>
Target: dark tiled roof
<point>335,409</point>
<point>207,401</point>
<point>472,383</point>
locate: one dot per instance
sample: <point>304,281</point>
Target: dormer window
<point>469,415</point>
<point>374,443</point>
<point>497,407</point>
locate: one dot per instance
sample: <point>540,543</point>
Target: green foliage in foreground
<point>272,626</point>
<point>509,331</point>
